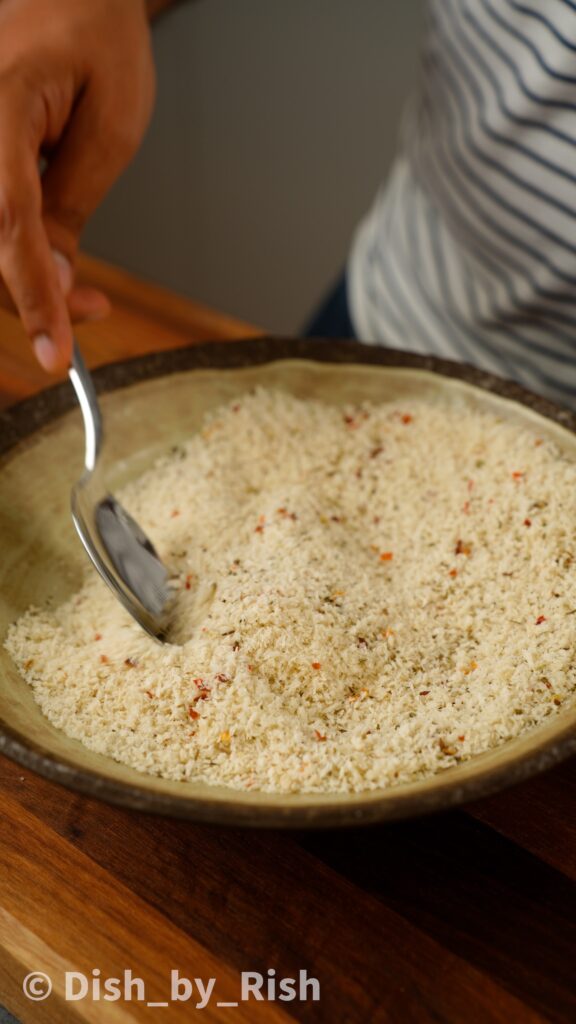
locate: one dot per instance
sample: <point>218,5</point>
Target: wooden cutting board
<point>461,918</point>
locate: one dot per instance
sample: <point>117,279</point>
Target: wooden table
<point>465,917</point>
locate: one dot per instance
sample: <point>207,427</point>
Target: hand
<point>77,87</point>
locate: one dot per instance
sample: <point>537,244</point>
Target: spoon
<point>119,549</point>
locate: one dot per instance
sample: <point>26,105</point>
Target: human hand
<point>76,87</point>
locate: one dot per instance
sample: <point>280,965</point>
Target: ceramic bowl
<point>150,404</point>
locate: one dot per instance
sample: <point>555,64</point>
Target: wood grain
<point>540,815</point>
<point>261,899</point>
<point>59,911</point>
<point>464,918</point>
<point>145,318</point>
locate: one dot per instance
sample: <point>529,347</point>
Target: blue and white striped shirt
<point>469,251</point>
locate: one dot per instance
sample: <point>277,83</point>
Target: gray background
<point>275,122</point>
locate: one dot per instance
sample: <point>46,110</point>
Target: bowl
<point>152,403</point>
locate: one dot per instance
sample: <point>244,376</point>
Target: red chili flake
<point>376,451</point>
<point>453,573</point>
<point>517,475</point>
<point>362,641</point>
<point>335,519</point>
<point>462,548</point>
<point>193,714</point>
<point>538,442</point>
<point>527,522</point>
<point>386,556</point>
<point>235,646</point>
<point>376,520</point>
<point>406,418</point>
<point>319,736</point>
<point>203,694</point>
<point>316,664</point>
<point>461,738</point>
<point>424,693</point>
<point>260,527</point>
<point>350,421</point>
<point>466,507</point>
<point>203,691</point>
<point>236,408</point>
<point>222,678</point>
<point>149,694</point>
<point>104,659</point>
<point>250,668</point>
<point>540,620</point>
<point>175,512</point>
<point>130,662</point>
<point>98,636</point>
<point>188,581</point>
<point>281,511</point>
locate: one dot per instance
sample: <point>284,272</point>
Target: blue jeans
<point>332,319</point>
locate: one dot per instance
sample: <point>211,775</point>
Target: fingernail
<point>46,352</point>
<point>64,270</point>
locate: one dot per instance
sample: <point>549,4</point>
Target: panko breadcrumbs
<point>378,592</point>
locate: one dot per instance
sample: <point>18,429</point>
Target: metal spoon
<point>117,546</point>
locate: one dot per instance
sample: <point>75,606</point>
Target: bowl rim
<point>22,420</point>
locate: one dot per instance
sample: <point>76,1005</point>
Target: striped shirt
<point>469,251</point>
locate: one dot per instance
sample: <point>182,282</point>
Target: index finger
<point>26,262</point>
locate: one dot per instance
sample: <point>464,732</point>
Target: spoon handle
<point>86,394</point>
